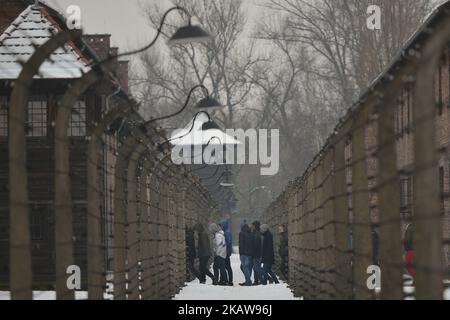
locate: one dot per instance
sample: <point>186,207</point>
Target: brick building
<point>405,146</point>
<point>22,25</point>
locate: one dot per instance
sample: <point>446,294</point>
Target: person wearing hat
<point>204,254</point>
<point>267,256</point>
<point>224,224</point>
<point>245,252</point>
<point>220,254</point>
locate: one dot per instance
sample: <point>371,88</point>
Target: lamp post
<point>186,34</point>
<point>206,103</point>
<point>227,183</point>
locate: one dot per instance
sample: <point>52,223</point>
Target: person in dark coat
<point>191,254</point>
<point>283,250</point>
<point>268,255</point>
<point>229,242</point>
<point>245,251</point>
<point>204,254</point>
<point>256,255</point>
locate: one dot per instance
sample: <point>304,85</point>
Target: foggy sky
<point>123,19</point>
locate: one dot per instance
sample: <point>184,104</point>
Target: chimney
<point>122,74</point>
<point>9,11</point>
<point>99,43</point>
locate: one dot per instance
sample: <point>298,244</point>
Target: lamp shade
<point>189,34</point>
<point>227,184</point>
<point>210,125</point>
<point>209,103</point>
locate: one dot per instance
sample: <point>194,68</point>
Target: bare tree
<point>220,64</point>
<point>298,71</point>
<point>336,30</point>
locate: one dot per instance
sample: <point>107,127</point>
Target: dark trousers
<point>229,270</point>
<point>285,267</point>
<point>191,268</point>
<point>246,269</point>
<point>266,272</point>
<point>219,269</point>
<point>257,270</point>
<point>250,265</point>
<point>203,261</point>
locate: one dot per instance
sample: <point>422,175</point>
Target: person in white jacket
<point>220,253</point>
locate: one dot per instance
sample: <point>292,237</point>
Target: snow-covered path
<point>196,291</point>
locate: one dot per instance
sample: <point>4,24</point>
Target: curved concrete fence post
<point>123,198</point>
<point>427,208</point>
<point>163,235</point>
<point>181,225</point>
<point>96,264</point>
<point>361,218</point>
<point>20,247</point>
<point>171,234</point>
<point>144,241</point>
<point>120,217</point>
<point>389,204</point>
<point>154,235</point>
<point>132,218</point>
<point>162,239</point>
<point>329,223</point>
<point>63,197</point>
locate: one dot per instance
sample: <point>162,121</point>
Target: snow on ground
<point>45,295</point>
<point>196,291</point>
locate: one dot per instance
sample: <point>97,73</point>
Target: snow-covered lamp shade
<point>204,132</point>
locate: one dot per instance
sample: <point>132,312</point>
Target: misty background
<point>292,65</point>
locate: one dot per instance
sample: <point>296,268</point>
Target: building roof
<point>32,28</point>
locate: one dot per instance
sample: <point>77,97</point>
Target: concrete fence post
<point>389,206</point>
<point>342,228</point>
<point>63,197</point>
<point>427,210</point>
<point>362,244</point>
<point>20,243</point>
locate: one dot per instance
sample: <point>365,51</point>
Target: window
<point>396,120</point>
<point>77,125</point>
<point>442,186</point>
<point>448,60</point>
<point>409,106</point>
<point>37,118</point>
<point>36,224</point>
<point>406,194</point>
<point>3,117</point>
<point>401,124</point>
<point>440,102</point>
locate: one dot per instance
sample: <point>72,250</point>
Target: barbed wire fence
<point>133,202</point>
<point>353,189</point>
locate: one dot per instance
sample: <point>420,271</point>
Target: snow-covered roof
<point>31,29</point>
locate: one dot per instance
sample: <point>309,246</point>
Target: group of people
<point>222,250</point>
<point>256,254</point>
<point>256,250</point>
